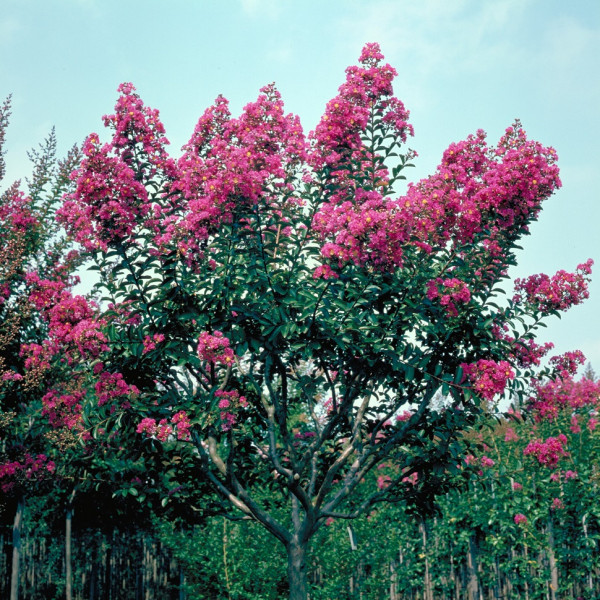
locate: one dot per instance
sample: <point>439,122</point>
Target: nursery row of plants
<point>517,527</point>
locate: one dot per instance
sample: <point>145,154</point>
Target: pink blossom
<point>112,385</point>
<point>383,481</point>
<point>228,420</point>
<point>488,378</point>
<point>182,424</point>
<point>520,519</point>
<point>559,292</point>
<point>564,395</point>
<point>548,452</point>
<point>147,425</point>
<point>404,416</point>
<point>151,341</point>
<point>163,430</point>
<point>411,479</point>
<point>450,293</point>
<point>567,364</point>
<point>232,401</point>
<point>487,462</point>
<point>324,272</point>
<point>215,348</point>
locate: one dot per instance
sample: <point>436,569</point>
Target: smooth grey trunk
<point>16,555</point>
<point>68,547</point>
<point>552,561</point>
<point>296,552</point>
<point>473,590</point>
<point>181,583</point>
<point>428,588</point>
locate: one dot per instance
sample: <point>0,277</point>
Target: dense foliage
<point>473,545</point>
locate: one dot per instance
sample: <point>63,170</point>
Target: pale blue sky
<point>463,65</point>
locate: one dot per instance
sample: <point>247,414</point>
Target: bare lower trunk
<point>68,562</point>
<point>428,589</point>
<point>552,561</point>
<point>296,552</point>
<point>14,580</point>
<point>473,566</point>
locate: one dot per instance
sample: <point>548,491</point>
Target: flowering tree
<point>278,317</point>
<point>35,276</point>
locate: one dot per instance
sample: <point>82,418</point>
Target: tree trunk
<point>108,568</point>
<point>473,567</point>
<point>16,555</point>
<point>428,588</point>
<point>552,561</point>
<point>296,552</point>
<point>68,561</point>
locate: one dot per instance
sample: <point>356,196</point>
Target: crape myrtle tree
<point>36,264</point>
<point>279,318</point>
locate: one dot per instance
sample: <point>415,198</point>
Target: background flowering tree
<point>37,322</point>
<point>278,318</point>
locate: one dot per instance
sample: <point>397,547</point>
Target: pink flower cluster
<point>411,479</point>
<point>549,451</point>
<point>565,395</point>
<point>567,364</point>
<point>215,348</point>
<point>108,202</point>
<point>568,474</point>
<point>182,424</point>
<point>338,135</point>
<point>488,378</point>
<point>139,132</point>
<point>450,292</point>
<point>63,409</point>
<point>525,352</point>
<point>487,462</point>
<point>520,519</point>
<point>74,330</point>
<point>477,188</point>
<point>366,229</point>
<point>559,292</point>
<point>151,341</point>
<point>112,385</point>
<point>528,353</point>
<point>230,404</point>
<point>356,223</point>
<point>31,468</point>
<point>163,430</point>
<point>229,164</point>
<point>16,212</point>
<point>110,199</point>
<point>74,324</point>
<point>383,481</point>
